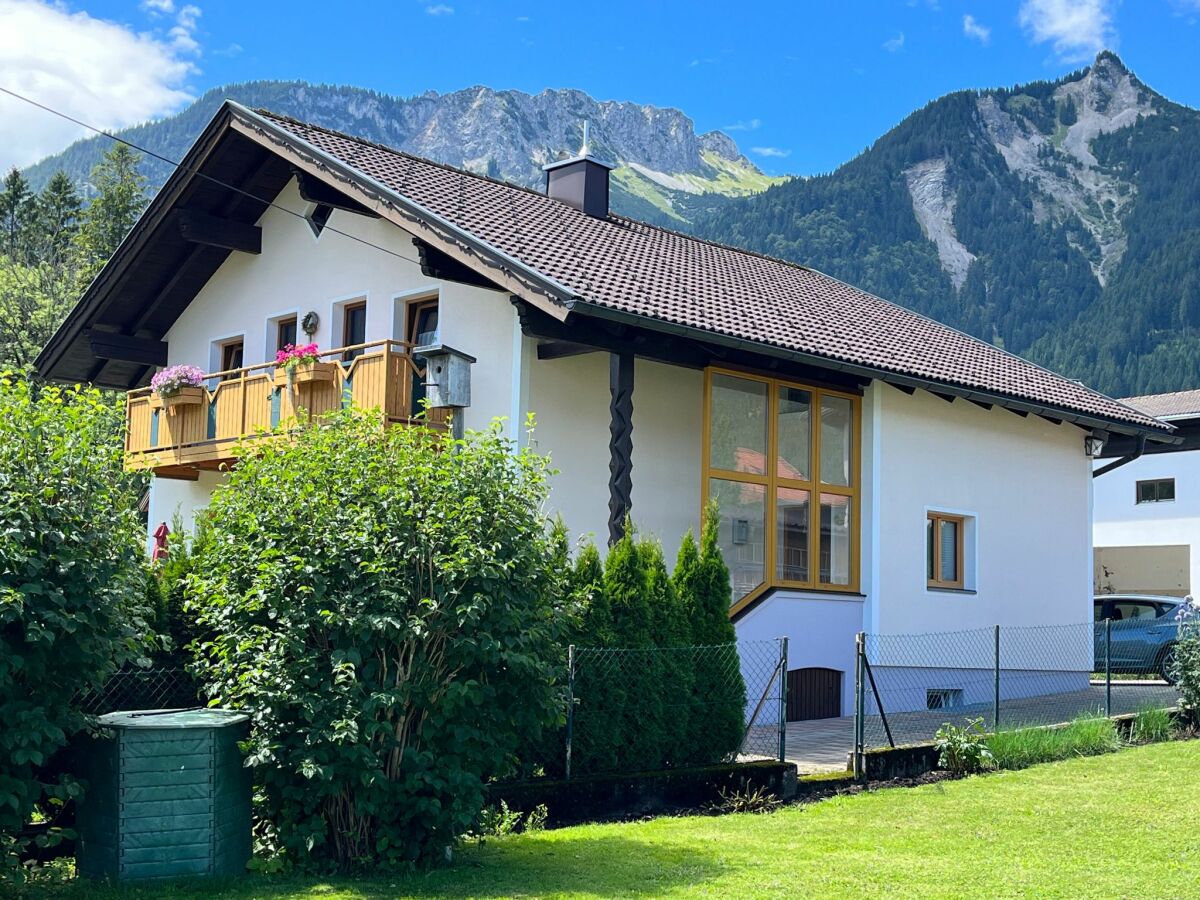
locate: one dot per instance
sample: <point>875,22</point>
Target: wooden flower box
<point>185,396</point>
<point>305,373</point>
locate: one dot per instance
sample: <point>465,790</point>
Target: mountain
<point>1060,220</point>
<point>666,172</point>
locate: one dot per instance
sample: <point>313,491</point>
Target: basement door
<point>813,693</point>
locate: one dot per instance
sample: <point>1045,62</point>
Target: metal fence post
<point>1108,667</point>
<point>570,705</point>
<point>783,659</point>
<point>859,706</point>
<point>996,694</point>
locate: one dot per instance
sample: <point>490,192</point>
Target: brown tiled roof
<point>1174,405</point>
<point>629,266</point>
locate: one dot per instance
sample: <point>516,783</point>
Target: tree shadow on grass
<point>530,865</point>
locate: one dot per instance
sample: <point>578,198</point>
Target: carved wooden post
<point>620,443</point>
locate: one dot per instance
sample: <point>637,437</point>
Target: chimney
<point>581,181</point>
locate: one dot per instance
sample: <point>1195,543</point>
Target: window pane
<point>742,532</point>
<point>1145,492</point>
<point>738,439</point>
<point>835,539</point>
<point>795,436</point>
<point>1166,489</point>
<point>791,551</point>
<point>837,424</point>
<point>287,333</point>
<point>948,545</point>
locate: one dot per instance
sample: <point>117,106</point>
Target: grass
<point>1151,725</point>
<point>1121,825</point>
<point>1018,748</point>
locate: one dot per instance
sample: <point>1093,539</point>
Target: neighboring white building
<point>1146,515</point>
<point>876,470</point>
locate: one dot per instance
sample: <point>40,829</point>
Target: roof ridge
<point>612,217</point>
<point>415,156</point>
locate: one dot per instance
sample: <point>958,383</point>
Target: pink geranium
<point>171,380</point>
<point>292,355</point>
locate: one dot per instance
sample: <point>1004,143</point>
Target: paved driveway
<point>824,745</point>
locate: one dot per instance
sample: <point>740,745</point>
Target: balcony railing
<point>247,403</point>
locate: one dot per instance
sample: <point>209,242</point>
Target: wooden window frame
<point>294,321</point>
<point>936,518</point>
<point>348,308</point>
<point>226,347</point>
<point>412,311</point>
<point>773,482</point>
<point>1137,491</point>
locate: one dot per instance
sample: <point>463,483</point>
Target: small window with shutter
<point>944,550</point>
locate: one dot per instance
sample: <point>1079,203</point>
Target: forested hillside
<point>1060,220</point>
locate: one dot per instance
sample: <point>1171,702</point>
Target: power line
<point>270,203</point>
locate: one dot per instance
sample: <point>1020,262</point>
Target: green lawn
<point>1121,825</point>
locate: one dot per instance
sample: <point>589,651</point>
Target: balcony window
<point>354,328</point>
<point>285,332</point>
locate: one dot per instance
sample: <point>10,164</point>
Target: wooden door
<point>814,693</point>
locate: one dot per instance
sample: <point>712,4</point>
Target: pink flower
<point>173,379</point>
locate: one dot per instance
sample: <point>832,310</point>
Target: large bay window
<point>781,460</point>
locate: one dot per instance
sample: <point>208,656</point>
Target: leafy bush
<point>174,620</point>
<point>1186,663</point>
<point>963,750</point>
<point>382,602</point>
<point>72,582</point>
<point>1151,725</point>
<point>1086,736</point>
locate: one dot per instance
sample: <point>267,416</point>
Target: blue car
<point>1144,632</point>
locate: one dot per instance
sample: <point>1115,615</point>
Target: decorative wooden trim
<point>620,443</point>
<point>773,482</point>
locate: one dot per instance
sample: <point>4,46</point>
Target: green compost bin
<point>168,796</point>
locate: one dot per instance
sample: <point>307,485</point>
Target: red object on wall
<point>160,542</point>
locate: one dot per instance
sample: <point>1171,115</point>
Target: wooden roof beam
<point>215,231</point>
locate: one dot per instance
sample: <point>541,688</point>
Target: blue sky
<point>801,86</point>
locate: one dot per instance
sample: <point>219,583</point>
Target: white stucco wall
<point>1120,521</point>
<point>570,399</point>
<point>171,498</point>
<point>1027,484</point>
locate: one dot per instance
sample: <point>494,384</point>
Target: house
<point>875,470</point>
<point>1146,512</point>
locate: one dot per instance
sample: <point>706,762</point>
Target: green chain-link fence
<point>136,688</point>
<point>1011,677</point>
<point>638,710</point>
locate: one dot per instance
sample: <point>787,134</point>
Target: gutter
<point>1138,449</point>
<point>982,396</point>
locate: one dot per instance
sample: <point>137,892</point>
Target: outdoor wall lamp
<point>1093,446</point>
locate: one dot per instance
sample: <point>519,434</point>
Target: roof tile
<point>630,266</point>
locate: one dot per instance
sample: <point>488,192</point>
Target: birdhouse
<point>447,376</point>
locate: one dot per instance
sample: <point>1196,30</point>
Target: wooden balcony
<point>246,404</point>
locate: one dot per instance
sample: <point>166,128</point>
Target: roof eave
<point>94,296</point>
<point>1162,433</point>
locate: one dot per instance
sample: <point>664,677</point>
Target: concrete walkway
<point>824,745</point>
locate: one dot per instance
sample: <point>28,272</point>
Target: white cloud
<point>1078,29</point>
<point>976,31</point>
<point>523,18</point>
<point>748,125</point>
<point>183,34</point>
<point>100,72</point>
<point>159,7</point>
<point>774,152</point>
<point>891,45</point>
<point>232,50</point>
<point>439,9</point>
